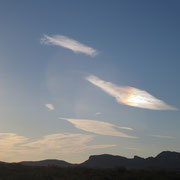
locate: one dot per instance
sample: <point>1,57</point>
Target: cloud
<point>10,145</point>
<point>98,113</point>
<point>8,140</point>
<point>68,43</point>
<point>16,148</point>
<point>97,127</point>
<point>160,136</point>
<point>130,96</point>
<point>65,143</point>
<point>126,128</point>
<point>49,106</point>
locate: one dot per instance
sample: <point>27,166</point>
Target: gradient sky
<point>89,77</point>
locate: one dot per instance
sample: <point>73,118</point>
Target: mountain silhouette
<point>47,162</point>
<point>164,160</point>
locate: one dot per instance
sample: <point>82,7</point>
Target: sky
<point>80,78</point>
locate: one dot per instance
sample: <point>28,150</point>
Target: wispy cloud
<point>8,140</point>
<point>49,106</point>
<point>16,148</point>
<point>130,96</point>
<point>98,127</point>
<point>65,143</point>
<point>10,144</point>
<point>98,113</point>
<point>126,128</point>
<point>160,136</point>
<point>68,43</point>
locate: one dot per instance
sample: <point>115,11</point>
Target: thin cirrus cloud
<point>49,106</point>
<point>66,42</point>
<point>65,143</point>
<point>97,127</point>
<point>130,96</point>
<point>18,148</point>
<point>160,136</point>
<point>98,113</point>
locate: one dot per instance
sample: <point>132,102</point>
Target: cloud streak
<point>65,143</point>
<point>97,127</point>
<point>49,106</point>
<point>68,43</point>
<point>98,113</point>
<point>160,136</point>
<point>130,96</point>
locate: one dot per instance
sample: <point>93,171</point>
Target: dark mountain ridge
<point>47,162</point>
<point>164,160</point>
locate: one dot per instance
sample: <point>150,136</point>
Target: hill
<point>47,162</point>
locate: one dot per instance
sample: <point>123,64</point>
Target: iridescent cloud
<point>130,96</point>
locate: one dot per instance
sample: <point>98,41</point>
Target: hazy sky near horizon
<point>89,77</point>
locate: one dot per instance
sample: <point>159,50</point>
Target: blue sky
<point>53,97</point>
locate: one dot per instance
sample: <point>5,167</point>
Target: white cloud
<point>68,43</point>
<point>97,127</point>
<point>49,106</point>
<point>126,128</point>
<point>98,113</point>
<point>18,148</point>
<point>130,96</point>
<point>160,136</point>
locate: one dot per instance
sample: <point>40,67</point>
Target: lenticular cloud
<point>68,43</point>
<point>98,127</point>
<point>130,96</point>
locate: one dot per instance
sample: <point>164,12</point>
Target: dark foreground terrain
<point>165,166</point>
<point>24,172</point>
